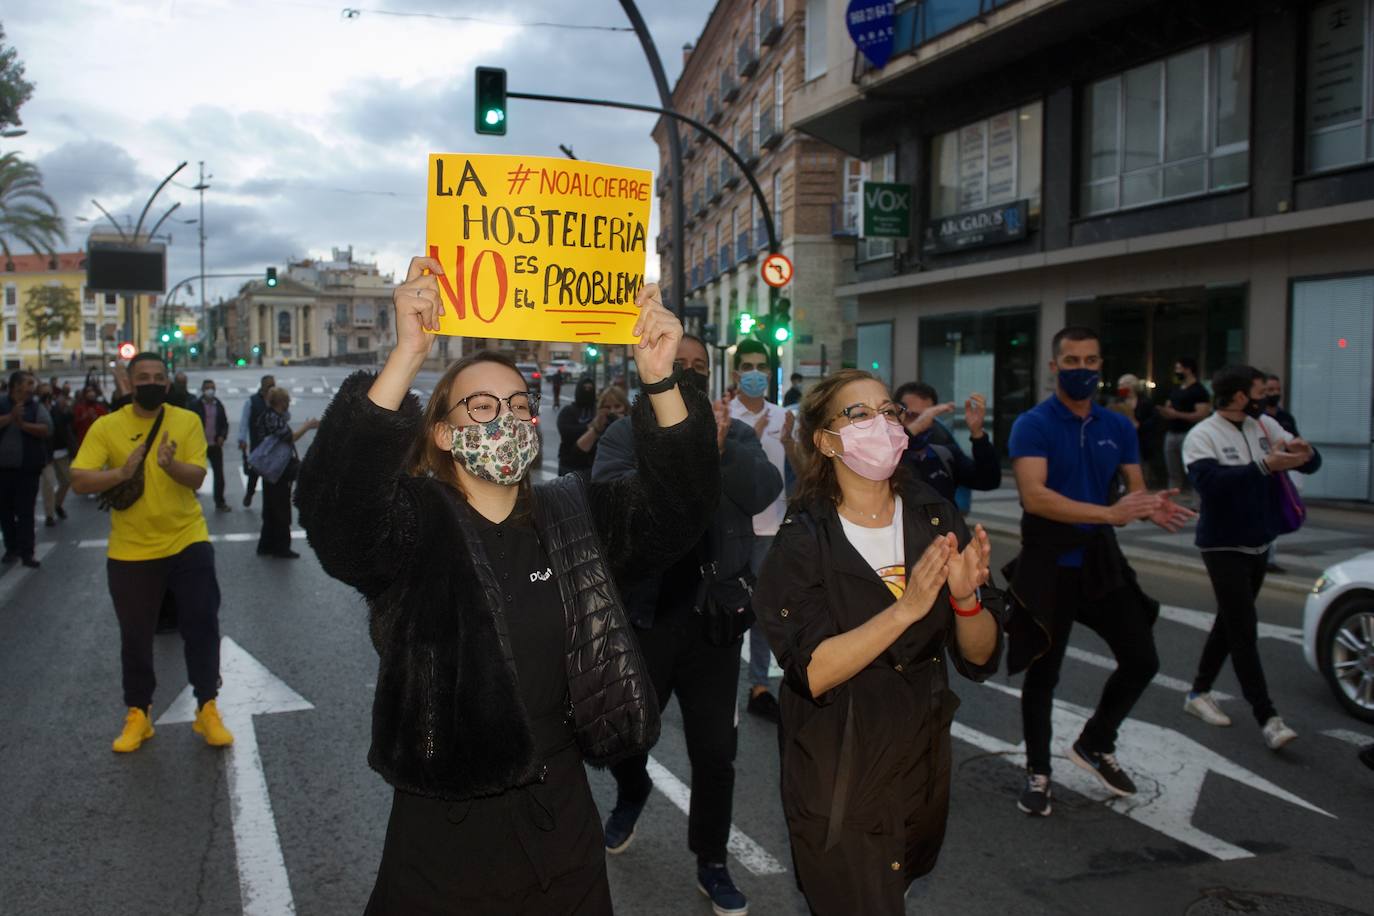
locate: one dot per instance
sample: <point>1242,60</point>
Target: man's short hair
<point>920,389</point>
<point>265,379</point>
<point>147,355</point>
<point>17,376</point>
<point>798,378</point>
<point>686,336</point>
<point>752,346</point>
<point>1074,333</point>
<point>1190,364</point>
<point>1271,377</point>
<point>1229,380</point>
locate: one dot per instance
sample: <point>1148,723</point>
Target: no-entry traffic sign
<point>127,350</point>
<point>776,270</point>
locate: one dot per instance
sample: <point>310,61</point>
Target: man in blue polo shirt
<point>1066,453</point>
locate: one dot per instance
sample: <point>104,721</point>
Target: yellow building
<point>102,315</point>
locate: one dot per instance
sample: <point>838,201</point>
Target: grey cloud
<point>75,172</point>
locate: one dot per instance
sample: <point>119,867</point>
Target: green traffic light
<point>781,334</point>
<point>166,337</point>
<point>241,362</point>
<point>494,116</point>
<point>177,333</point>
<point>490,109</point>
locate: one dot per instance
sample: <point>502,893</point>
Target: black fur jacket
<point>447,719</point>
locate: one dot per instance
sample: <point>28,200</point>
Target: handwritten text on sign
<point>536,248</point>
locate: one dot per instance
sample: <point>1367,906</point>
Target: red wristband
<point>974,612</point>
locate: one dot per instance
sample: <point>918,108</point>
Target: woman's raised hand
<point>924,581</point>
<point>659,332</point>
<point>968,569</point>
<point>418,307</point>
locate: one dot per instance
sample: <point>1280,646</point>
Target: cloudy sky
<point>315,125</point>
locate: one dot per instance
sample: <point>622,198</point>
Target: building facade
<point>740,77</point>
<point>102,319</point>
<point>1188,178</point>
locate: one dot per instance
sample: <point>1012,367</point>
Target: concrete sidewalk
<point>1331,534</point>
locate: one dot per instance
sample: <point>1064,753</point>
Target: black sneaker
<point>620,826</point>
<point>1367,756</point>
<point>30,561</point>
<point>1035,797</point>
<point>61,513</point>
<point>9,557</point>
<point>715,883</point>
<point>764,706</point>
<point>1104,767</point>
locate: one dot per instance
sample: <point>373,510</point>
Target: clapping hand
<point>166,451</point>
<point>975,411</point>
<point>969,568</point>
<point>1168,514</point>
<point>924,581</point>
<point>132,463</point>
<point>722,412</point>
<point>761,426</point>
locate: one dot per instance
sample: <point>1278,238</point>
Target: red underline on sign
<point>587,333</point>
<point>565,321</point>
<point>589,312</point>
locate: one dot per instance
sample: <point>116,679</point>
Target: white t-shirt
<point>884,549</point>
<point>767,522</point>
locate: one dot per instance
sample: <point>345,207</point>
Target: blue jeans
<point>760,656</point>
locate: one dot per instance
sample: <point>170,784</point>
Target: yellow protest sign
<point>535,248</point>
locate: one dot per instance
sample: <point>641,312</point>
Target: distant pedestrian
<point>1132,402</point>
<point>158,545</point>
<point>215,419</point>
<point>689,621</point>
<point>869,595</point>
<point>945,467</point>
<point>25,426</point>
<point>1189,404</point>
<point>1066,453</point>
<point>88,408</point>
<point>57,475</point>
<point>578,429</point>
<point>506,659</point>
<point>180,395</point>
<point>1233,458</point>
<point>558,379</point>
<point>794,394</point>
<point>274,426</point>
<point>253,409</point>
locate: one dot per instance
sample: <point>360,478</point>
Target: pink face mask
<point>873,451</point>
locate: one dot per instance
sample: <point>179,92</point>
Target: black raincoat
<point>866,765</point>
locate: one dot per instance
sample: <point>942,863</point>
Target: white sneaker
<point>1205,707</point>
<point>1276,734</point>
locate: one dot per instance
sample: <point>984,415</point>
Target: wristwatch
<point>666,384</point>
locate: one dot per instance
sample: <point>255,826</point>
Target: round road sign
<point>776,270</point>
<point>127,350</point>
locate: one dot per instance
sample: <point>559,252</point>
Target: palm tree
<point>27,214</point>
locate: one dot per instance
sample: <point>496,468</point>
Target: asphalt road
<point>1219,817</point>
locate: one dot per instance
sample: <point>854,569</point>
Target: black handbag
<point>124,494</point>
<point>725,604</point>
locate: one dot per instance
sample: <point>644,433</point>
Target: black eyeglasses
<point>863,415</point>
<point>483,406</point>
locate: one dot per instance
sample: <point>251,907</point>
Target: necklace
<point>872,516</point>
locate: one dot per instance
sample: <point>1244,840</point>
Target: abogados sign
<point>977,228</point>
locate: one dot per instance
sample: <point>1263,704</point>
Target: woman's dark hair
<point>816,479</point>
<point>429,460</point>
<point>1229,380</point>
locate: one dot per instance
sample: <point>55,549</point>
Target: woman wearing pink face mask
<point>872,589</point>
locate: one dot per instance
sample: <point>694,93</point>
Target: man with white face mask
<point>773,425</point>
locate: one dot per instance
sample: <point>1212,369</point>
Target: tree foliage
<point>14,89</point>
<point>27,214</point>
<point>51,311</point>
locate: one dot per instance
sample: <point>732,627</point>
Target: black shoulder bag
<point>725,604</point>
<point>125,494</point>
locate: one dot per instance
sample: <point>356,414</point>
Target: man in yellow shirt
<point>159,544</point>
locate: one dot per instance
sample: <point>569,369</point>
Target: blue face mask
<point>1079,384</point>
<point>753,383</point>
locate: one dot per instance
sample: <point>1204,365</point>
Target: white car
<point>1338,633</point>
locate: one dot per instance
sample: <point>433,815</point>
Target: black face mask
<point>1178,377</point>
<point>585,396</point>
<point>696,380</point>
<point>1254,408</point>
<point>150,397</point>
<point>1273,399</point>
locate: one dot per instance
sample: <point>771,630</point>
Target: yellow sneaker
<point>209,725</point>
<point>137,729</point>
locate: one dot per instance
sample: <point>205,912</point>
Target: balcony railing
<point>713,188</point>
<point>729,175</point>
<point>761,234</point>
<point>711,272</point>
<point>770,26</point>
<point>746,58</point>
<point>743,250</point>
<point>770,128</point>
<point>726,259</point>
<point>919,21</point>
<point>746,149</point>
<point>698,202</point>
<point>713,109</point>
<point>729,89</point>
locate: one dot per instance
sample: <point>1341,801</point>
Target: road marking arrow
<point>1169,768</point>
<point>249,690</point>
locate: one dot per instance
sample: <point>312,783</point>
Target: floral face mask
<point>500,451</point>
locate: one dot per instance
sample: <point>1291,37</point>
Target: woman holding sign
<point>506,659</point>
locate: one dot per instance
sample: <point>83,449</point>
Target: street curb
<point>1294,584</point>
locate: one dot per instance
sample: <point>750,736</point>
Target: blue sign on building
<point>871,26</point>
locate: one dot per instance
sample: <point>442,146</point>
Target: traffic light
<point>271,276</point>
<point>746,324</point>
<point>592,353</point>
<point>781,320</point>
<point>490,113</point>
<point>166,337</point>
<point>240,361</point>
<point>194,349</point>
<point>177,333</point>
<point>256,349</point>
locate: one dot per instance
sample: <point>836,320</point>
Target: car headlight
<point>1321,585</point>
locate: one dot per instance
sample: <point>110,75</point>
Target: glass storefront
<point>992,353</point>
<point>1331,381</point>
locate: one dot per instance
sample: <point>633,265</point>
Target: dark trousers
<point>276,517</point>
<point>1124,625</point>
<point>252,485</point>
<point>18,496</point>
<point>215,455</point>
<point>706,681</point>
<point>1236,580</point>
<point>137,587</point>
